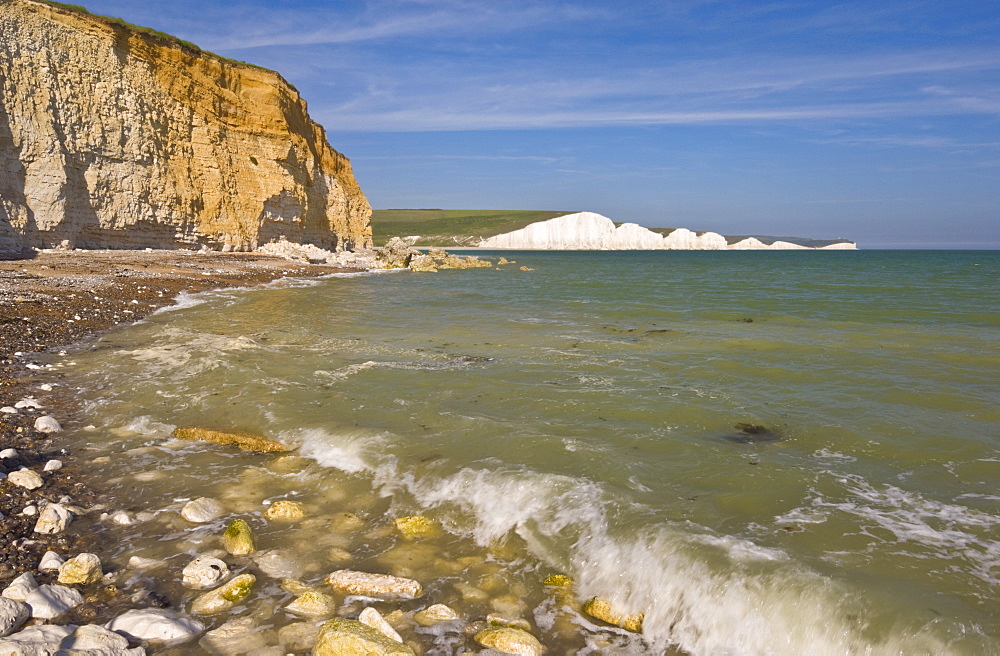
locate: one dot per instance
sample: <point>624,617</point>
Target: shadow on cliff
<point>17,221</point>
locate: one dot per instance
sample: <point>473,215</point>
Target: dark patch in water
<point>753,434</point>
<point>746,320</point>
<point>659,332</point>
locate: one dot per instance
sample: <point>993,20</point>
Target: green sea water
<point>764,452</point>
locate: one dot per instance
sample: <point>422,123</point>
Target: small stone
<point>237,636</point>
<point>313,604</point>
<point>159,626</point>
<point>417,526</point>
<point>374,619</point>
<point>29,511</point>
<point>26,478</point>
<point>602,610</point>
<point>512,622</point>
<point>83,569</point>
<point>8,453</point>
<point>202,510</point>
<point>121,518</point>
<point>28,402</point>
<point>13,615</point>
<point>54,519</point>
<point>245,441</point>
<point>51,561</point>
<point>53,465</point>
<point>373,585</point>
<point>204,572</point>
<point>47,424</point>
<point>50,601</point>
<point>45,387</point>
<point>138,562</point>
<point>8,410</point>
<point>298,637</point>
<point>225,597</point>
<point>558,581</point>
<point>20,587</point>
<point>435,615</point>
<point>238,538</point>
<point>344,637</point>
<point>510,641</point>
<point>284,509</point>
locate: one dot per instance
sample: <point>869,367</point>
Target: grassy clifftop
<point>452,227</point>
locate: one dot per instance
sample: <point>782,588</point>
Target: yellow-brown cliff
<point>111,137</point>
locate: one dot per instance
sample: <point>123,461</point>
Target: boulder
<point>245,441</point>
<point>284,509</point>
<point>82,569</point>
<point>204,572</point>
<point>26,478</point>
<point>374,619</point>
<point>13,615</point>
<point>54,518</point>
<point>158,626</point>
<point>20,587</point>
<point>373,585</point>
<point>238,538</point>
<point>202,510</point>
<point>225,597</point>
<point>510,641</point>
<point>396,254</point>
<point>435,615</point>
<point>343,637</point>
<point>602,610</point>
<point>50,601</point>
<point>313,604</point>
<point>417,526</point>
<point>47,424</point>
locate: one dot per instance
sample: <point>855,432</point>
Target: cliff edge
<point>111,137</point>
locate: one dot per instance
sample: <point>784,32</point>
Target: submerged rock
<point>285,509</point>
<point>752,434</point>
<point>47,424</point>
<point>158,626</point>
<point>374,619</point>
<point>279,564</point>
<point>602,610</point>
<point>243,440</point>
<point>343,637</point>
<point>237,636</point>
<point>417,526</point>
<point>202,510</point>
<point>510,641</point>
<point>313,604</point>
<point>225,597</point>
<point>83,569</point>
<point>298,637</point>
<point>435,615</point>
<point>558,581</point>
<point>238,538</point>
<point>373,585</point>
<point>204,572</point>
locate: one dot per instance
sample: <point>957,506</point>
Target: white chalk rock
<point>313,604</point>
<point>8,410</point>
<point>83,569</point>
<point>373,585</point>
<point>20,587</point>
<point>45,387</point>
<point>237,636</point>
<point>53,465</point>
<point>13,615</point>
<point>29,511</point>
<point>54,518</point>
<point>205,572</point>
<point>121,518</point>
<point>28,402</point>
<point>99,641</point>
<point>39,640</point>
<point>138,562</point>
<point>47,424</point>
<point>203,510</point>
<point>49,601</point>
<point>26,478</point>
<point>374,619</point>
<point>51,561</point>
<point>157,626</point>
<point>8,453</point>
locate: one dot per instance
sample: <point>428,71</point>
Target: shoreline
<point>53,301</point>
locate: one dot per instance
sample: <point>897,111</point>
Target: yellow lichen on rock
<point>238,538</point>
<point>245,441</point>
<point>285,509</point>
<point>602,610</point>
<point>417,526</point>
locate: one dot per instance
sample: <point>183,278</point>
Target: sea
<point>759,452</point>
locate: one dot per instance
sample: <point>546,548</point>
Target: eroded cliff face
<point>111,138</point>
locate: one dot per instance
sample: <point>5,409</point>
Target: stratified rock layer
<point>114,138</point>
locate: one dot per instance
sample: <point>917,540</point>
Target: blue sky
<point>877,121</point>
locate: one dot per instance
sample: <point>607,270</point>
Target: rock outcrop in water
<point>111,137</point>
<point>591,231</point>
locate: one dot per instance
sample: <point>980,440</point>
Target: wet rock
<point>373,618</point>
<point>20,587</point>
<point>284,510</point>
<point>558,581</point>
<point>138,562</point>
<point>602,610</point>
<point>423,264</point>
<point>158,626</point>
<point>204,572</point>
<point>202,510</point>
<point>313,604</point>
<point>238,538</point>
<point>26,478</point>
<point>13,615</point>
<point>120,518</point>
<point>50,601</point>
<point>298,637</point>
<point>245,441</point>
<point>54,518</point>
<point>343,637</point>
<point>338,555</point>
<point>435,615</point>
<point>51,561</point>
<point>82,569</point>
<point>225,597</point>
<point>753,434</point>
<point>346,521</point>
<point>373,585</point>
<point>47,424</point>
<point>237,636</point>
<point>417,526</point>
<point>510,641</point>
<point>279,564</point>
<point>396,254</point>
<point>52,465</point>
<point>512,622</point>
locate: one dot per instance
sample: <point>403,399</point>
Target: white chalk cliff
<point>591,231</point>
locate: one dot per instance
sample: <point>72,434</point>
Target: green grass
<point>452,227</point>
